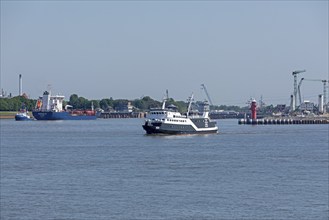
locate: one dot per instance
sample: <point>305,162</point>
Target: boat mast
<point>164,103</point>
<point>190,99</point>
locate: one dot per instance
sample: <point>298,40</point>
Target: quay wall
<point>122,115</point>
<point>285,121</point>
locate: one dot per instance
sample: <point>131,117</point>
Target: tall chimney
<point>20,85</point>
<point>292,103</point>
<point>321,109</point>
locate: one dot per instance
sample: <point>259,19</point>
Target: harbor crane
<point>299,93</point>
<point>317,80</point>
<point>207,94</point>
<point>295,73</point>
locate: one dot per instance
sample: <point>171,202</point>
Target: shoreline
<point>7,115</point>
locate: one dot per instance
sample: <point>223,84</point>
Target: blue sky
<point>130,49</point>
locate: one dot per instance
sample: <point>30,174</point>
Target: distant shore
<point>7,115</point>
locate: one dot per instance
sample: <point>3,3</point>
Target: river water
<point>109,169</point>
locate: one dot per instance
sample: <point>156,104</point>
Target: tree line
<point>107,104</point>
<point>16,103</point>
<point>142,104</point>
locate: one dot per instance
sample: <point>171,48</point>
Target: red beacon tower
<point>253,108</point>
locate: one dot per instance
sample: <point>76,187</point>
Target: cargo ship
<point>170,121</point>
<point>50,107</point>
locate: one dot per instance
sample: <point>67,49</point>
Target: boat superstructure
<point>51,108</point>
<point>170,121</point>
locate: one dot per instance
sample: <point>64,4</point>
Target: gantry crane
<point>207,94</point>
<point>295,73</point>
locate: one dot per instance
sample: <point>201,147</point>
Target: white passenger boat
<point>170,121</point>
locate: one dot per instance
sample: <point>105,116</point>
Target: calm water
<point>108,169</point>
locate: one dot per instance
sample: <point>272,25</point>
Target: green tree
<point>138,103</point>
<point>83,103</point>
<point>4,105</point>
<point>119,102</point>
<point>150,103</point>
<point>106,103</point>
<point>74,101</point>
<point>95,103</point>
<point>15,103</point>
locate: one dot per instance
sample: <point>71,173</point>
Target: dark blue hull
<point>19,117</point>
<point>48,115</point>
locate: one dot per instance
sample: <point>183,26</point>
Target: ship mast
<point>190,99</point>
<point>164,103</point>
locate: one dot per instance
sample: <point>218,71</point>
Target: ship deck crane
<point>207,94</point>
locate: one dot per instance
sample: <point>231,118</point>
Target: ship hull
<point>22,117</point>
<point>49,115</point>
<point>176,129</point>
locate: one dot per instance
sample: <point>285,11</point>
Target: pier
<point>121,115</point>
<point>284,121</point>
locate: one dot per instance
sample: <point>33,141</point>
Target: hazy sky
<point>130,49</point>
